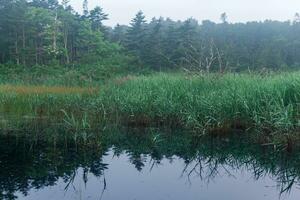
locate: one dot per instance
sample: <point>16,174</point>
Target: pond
<point>146,165</point>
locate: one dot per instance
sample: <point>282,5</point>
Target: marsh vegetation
<point>82,104</point>
<point>209,103</point>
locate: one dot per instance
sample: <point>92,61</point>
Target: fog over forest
<point>237,10</point>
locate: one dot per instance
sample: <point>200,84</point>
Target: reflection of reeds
<point>27,90</point>
<point>203,157</point>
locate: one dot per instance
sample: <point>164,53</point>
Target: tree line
<point>46,32</point>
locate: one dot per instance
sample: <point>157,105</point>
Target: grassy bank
<point>208,103</point>
<point>31,106</point>
<point>74,75</point>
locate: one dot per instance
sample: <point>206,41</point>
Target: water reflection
<point>135,165</point>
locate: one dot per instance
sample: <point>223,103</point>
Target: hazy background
<point>122,11</point>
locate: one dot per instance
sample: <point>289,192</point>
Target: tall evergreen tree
<point>97,16</point>
<point>154,49</point>
<point>85,8</point>
<point>119,34</point>
<point>223,18</point>
<point>135,42</point>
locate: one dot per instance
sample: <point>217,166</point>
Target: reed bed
<point>27,106</point>
<point>210,103</point>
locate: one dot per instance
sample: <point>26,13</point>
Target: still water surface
<point>141,169</point>
<point>165,181</point>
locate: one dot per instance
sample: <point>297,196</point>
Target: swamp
<point>160,109</point>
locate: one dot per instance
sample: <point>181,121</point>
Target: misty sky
<point>122,11</point>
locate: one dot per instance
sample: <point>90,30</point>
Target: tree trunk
<point>36,52</point>
<point>24,45</point>
<point>66,46</point>
<point>72,49</point>
<point>17,50</point>
<point>54,34</point>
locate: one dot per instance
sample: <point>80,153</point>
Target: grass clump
<point>208,102</point>
<point>27,106</point>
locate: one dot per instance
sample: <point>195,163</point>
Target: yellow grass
<point>47,90</point>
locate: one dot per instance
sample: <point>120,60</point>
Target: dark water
<point>147,166</point>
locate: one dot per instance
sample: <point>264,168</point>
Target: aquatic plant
<point>209,103</point>
<point>25,104</point>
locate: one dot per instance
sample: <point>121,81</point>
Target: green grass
<point>209,103</point>
<point>27,106</point>
<point>74,75</point>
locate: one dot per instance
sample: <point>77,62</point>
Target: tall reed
<point>209,102</point>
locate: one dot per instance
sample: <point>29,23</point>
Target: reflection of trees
<point>206,158</point>
<point>137,160</point>
<point>207,169</point>
<point>24,166</point>
<point>224,158</point>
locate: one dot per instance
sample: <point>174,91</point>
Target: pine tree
<point>85,8</point>
<point>223,18</point>
<point>136,35</point>
<point>119,34</point>
<point>154,55</point>
<point>97,16</point>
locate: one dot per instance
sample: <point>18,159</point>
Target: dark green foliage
<point>45,32</point>
<point>93,74</point>
<point>135,42</point>
<point>97,17</point>
<point>49,33</point>
<point>208,46</point>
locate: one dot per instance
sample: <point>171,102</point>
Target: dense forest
<point>46,33</point>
